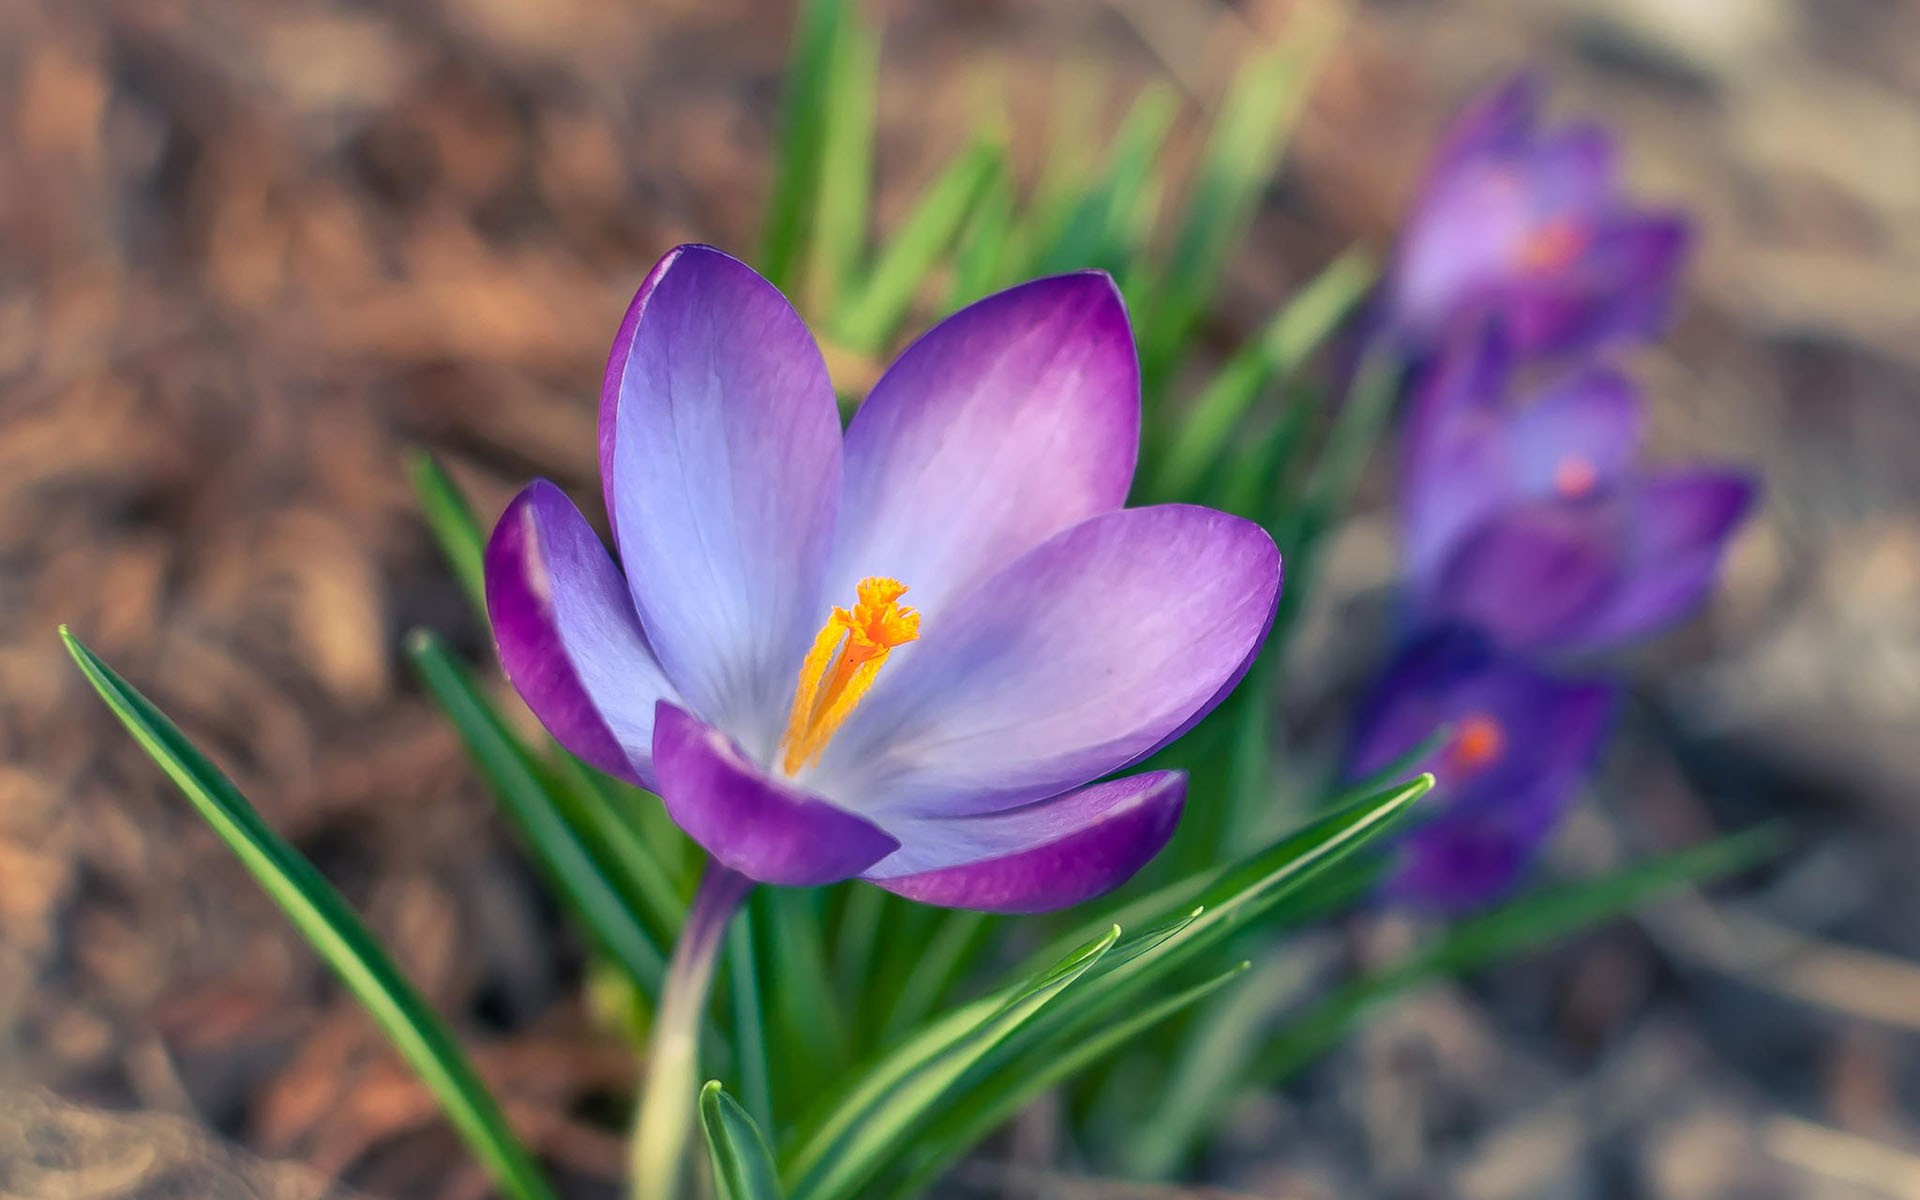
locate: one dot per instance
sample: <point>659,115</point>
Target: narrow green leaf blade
<point>873,312</point>
<point>1245,148</point>
<point>994,1101</point>
<point>863,1135</point>
<point>742,1163</point>
<point>1280,349</point>
<point>796,174</point>
<point>324,918</point>
<point>453,524</point>
<point>846,166</point>
<point>578,876</point>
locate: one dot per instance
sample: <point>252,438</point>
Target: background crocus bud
<point>1518,744</point>
<point>1524,227</point>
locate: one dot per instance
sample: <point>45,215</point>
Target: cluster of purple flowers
<point>1533,536</point>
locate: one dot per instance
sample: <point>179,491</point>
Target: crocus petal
<point>1549,727</point>
<point>1534,576</point>
<point>1682,526</point>
<point>615,372</point>
<point>1455,468</point>
<point>1047,855</point>
<point>1009,421</point>
<point>725,471</point>
<point>762,827</point>
<point>1583,434</point>
<point>1461,862</point>
<point>568,636</point>
<point>1621,288</point>
<point>1091,650</point>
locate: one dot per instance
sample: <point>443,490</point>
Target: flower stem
<point>665,1115</point>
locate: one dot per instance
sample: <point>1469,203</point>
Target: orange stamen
<point>846,658</point>
<point>1574,477</point>
<point>1553,245</point>
<point>1478,744</point>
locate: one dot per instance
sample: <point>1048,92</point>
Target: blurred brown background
<point>251,251</point>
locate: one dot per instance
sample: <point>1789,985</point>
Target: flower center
<point>1552,245</point>
<point>1478,744</point>
<point>846,657</point>
<point>1574,477</point>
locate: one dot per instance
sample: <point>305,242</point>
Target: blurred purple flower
<point>1533,521</point>
<point>939,751</point>
<point>1522,228</point>
<point>1520,745</point>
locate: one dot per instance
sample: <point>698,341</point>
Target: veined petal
<point>762,827</point>
<point>616,371</point>
<point>1682,525</point>
<point>1536,574</point>
<point>725,473</point>
<point>1088,652</point>
<point>1051,854</point>
<point>1007,422</point>
<point>568,636</point>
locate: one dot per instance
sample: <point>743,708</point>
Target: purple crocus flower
<point>1519,746</point>
<point>757,661</point>
<point>1535,523</point>
<point>1524,228</point>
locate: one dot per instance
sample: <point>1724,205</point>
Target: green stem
<point>664,1119</point>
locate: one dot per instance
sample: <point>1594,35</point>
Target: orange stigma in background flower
<point>1574,477</point>
<point>1553,245</point>
<point>1478,744</point>
<point>846,657</point>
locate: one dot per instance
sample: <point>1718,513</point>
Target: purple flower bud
<point>1534,522</point>
<point>1522,228</point>
<point>1519,745</point>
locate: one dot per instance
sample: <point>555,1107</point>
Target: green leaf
<point>864,1133</point>
<point>957,937</point>
<point>1519,925</point>
<point>454,527</point>
<point>871,314</point>
<point>737,1150</point>
<point>1106,225</point>
<point>1242,154</point>
<point>749,1024</point>
<point>578,874</point>
<point>985,260</point>
<point>993,1102</point>
<point>323,917</point>
<point>1279,350</point>
<point>846,166</point>
<point>807,1035</point>
<point>799,149</point>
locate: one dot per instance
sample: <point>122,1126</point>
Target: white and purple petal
<point>567,634</point>
<point>1047,855</point>
<point>1010,420</point>
<point>765,828</point>
<point>725,471</point>
<point>1087,653</point>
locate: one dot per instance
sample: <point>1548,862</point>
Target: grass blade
<point>737,1150</point>
<point>845,190</point>
<point>324,918</point>
<point>862,1137</point>
<point>749,1024</point>
<point>1242,154</point>
<point>453,524</point>
<point>993,1102</point>
<point>1279,350</point>
<point>577,874</point>
<point>871,314</point>
<point>798,150</point>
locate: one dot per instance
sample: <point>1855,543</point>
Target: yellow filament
<point>846,658</point>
